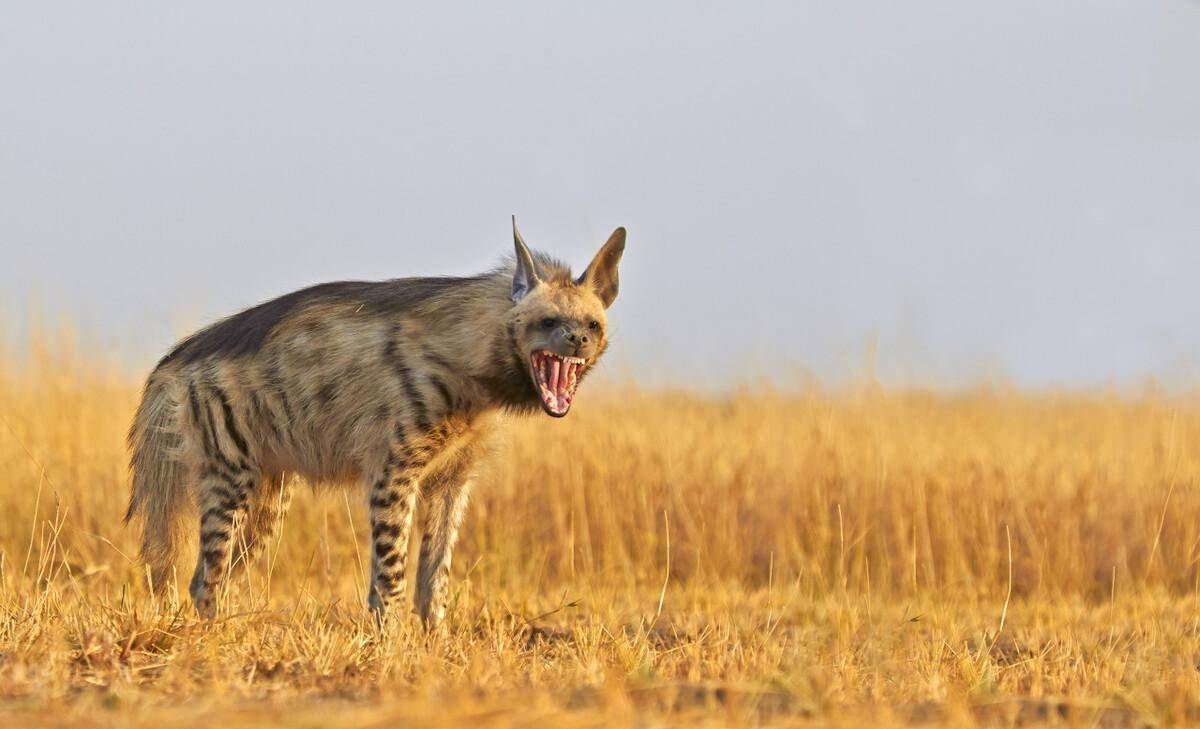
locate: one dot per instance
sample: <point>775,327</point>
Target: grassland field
<point>848,557</point>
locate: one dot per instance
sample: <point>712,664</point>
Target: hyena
<point>391,384</point>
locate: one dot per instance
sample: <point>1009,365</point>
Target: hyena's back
<point>315,383</point>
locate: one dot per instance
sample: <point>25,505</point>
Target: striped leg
<point>268,506</point>
<point>393,499</point>
<point>222,505</point>
<point>442,519</point>
<point>226,482</point>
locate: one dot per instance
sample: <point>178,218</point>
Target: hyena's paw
<point>432,610</point>
<point>375,603</point>
<point>387,615</point>
<point>206,605</point>
<point>202,597</point>
<point>434,622</point>
<point>381,609</point>
<point>431,619</point>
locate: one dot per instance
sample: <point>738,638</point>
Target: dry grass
<point>852,558</point>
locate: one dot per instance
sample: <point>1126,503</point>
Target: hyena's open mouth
<point>556,378</point>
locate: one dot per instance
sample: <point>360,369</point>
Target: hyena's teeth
<point>556,377</point>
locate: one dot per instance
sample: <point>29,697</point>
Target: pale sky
<point>980,189</point>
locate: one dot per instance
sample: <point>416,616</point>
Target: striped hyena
<point>392,384</point>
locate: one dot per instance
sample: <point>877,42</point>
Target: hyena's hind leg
<point>446,501</point>
<point>222,505</point>
<point>267,506</point>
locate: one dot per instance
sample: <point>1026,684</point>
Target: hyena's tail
<point>159,495</point>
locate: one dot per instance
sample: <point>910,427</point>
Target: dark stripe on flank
<point>230,422</point>
<point>439,360</point>
<point>391,354</point>
<point>261,412</point>
<point>275,381</point>
<point>401,434</point>
<point>194,403</point>
<point>382,412</point>
<point>420,413</point>
<point>223,469</point>
<point>327,392</point>
<point>442,390</point>
<point>216,444</point>
<point>287,407</point>
<point>216,440</point>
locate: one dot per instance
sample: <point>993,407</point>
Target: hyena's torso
<point>332,390</point>
<point>391,384</point>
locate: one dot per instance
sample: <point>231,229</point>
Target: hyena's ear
<point>526,276</point>
<point>601,273</point>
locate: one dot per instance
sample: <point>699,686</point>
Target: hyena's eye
<point>594,325</point>
<point>548,323</point>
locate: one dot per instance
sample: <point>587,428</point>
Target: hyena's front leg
<point>222,505</point>
<point>446,503</point>
<point>393,499</point>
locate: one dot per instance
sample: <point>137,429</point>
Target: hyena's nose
<point>577,338</point>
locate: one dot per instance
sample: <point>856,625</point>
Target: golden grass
<point>851,558</point>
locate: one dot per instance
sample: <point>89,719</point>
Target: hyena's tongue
<point>557,377</point>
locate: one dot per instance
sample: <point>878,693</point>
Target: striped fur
<point>393,385</point>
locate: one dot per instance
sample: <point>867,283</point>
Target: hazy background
<point>978,189</point>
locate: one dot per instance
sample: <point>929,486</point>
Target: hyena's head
<point>558,323</point>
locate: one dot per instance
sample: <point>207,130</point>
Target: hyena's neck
<point>467,338</point>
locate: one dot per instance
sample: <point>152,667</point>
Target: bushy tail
<point>159,495</point>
